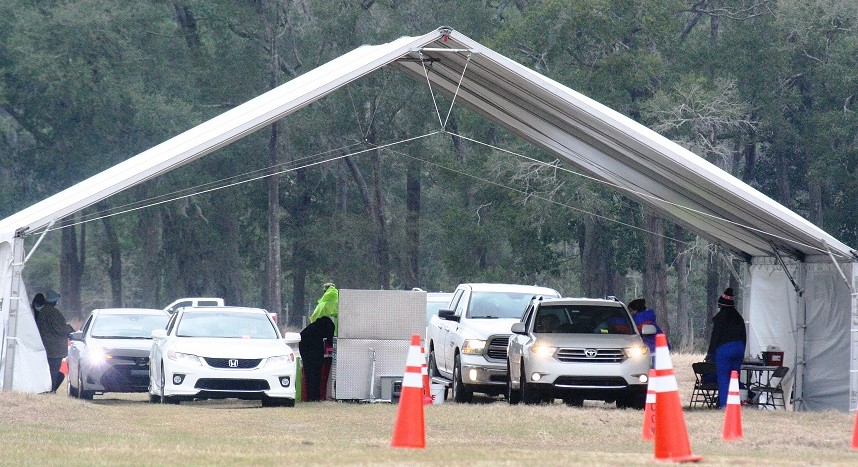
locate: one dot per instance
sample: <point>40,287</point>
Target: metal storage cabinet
<point>374,324</point>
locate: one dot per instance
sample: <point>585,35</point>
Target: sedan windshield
<point>583,319</point>
<point>131,326</point>
<point>238,325</point>
<point>498,304</point>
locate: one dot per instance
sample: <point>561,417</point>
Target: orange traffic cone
<point>64,366</point>
<point>733,412</point>
<point>408,432</point>
<point>855,433</point>
<point>427,396</point>
<point>649,411</point>
<point>671,436</point>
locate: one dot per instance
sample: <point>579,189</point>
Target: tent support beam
<point>800,364</point>
<point>39,241</point>
<point>837,266</point>
<point>14,306</point>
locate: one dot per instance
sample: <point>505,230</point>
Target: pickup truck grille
<point>496,347</point>
<point>590,355</point>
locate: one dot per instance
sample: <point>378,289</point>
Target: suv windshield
<point>582,319</point>
<point>498,304</point>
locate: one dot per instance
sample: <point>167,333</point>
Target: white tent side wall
<point>30,372</point>
<point>812,329</point>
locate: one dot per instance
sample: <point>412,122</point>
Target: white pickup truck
<point>467,342</point>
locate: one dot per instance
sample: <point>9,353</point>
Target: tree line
<point>764,89</point>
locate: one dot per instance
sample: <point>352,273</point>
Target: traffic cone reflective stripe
<point>408,432</point>
<point>671,436</point>
<point>733,412</point>
<point>649,410</point>
<point>427,396</point>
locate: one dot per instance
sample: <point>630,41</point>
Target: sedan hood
<point>231,348</point>
<point>601,341</point>
<point>119,345</point>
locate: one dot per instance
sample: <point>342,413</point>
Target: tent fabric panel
<point>773,315</point>
<point>31,372</point>
<point>540,95</point>
<point>827,340</point>
<point>214,133</point>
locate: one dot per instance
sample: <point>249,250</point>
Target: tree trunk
<point>149,232</point>
<point>596,269</point>
<point>655,272</point>
<point>72,258</point>
<point>683,340</point>
<point>713,285</point>
<point>412,224</point>
<point>299,215</point>
<point>114,262</point>
<point>815,191</point>
<point>273,269</point>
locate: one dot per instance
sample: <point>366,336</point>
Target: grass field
<point>120,429</point>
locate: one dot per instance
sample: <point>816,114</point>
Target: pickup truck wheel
<point>513,396</point>
<point>460,393</point>
<point>529,394</point>
<point>433,365</point>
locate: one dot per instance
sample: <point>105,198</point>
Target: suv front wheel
<point>460,392</point>
<point>529,394</point>
<point>513,396</point>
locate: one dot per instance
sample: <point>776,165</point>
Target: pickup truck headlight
<point>636,351</point>
<point>473,346</point>
<point>542,350</point>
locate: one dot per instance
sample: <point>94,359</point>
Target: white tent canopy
<point>577,130</point>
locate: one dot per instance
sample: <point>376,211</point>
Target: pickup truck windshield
<point>493,305</point>
<point>582,319</point>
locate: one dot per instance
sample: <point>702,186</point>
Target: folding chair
<point>770,393</point>
<point>704,394</point>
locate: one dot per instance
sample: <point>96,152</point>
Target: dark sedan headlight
<point>97,355</point>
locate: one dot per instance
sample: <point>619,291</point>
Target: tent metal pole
<point>800,364</point>
<point>14,306</point>
<point>39,241</point>
<point>839,269</point>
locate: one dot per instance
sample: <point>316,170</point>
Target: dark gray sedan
<point>111,352</point>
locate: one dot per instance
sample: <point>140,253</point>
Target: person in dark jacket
<point>643,315</point>
<point>316,336</point>
<point>55,333</point>
<point>727,344</point>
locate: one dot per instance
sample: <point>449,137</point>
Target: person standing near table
<point>727,344</point>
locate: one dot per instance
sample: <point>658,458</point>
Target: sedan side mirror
<point>648,330</point>
<point>518,328</point>
<point>292,337</point>
<point>159,333</point>
<point>76,336</point>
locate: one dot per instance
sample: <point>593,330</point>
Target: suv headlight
<point>636,351</point>
<point>280,360</point>
<point>190,359</point>
<point>542,350</point>
<point>473,346</point>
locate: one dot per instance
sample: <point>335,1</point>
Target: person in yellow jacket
<point>322,327</point>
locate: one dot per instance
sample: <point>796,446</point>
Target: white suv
<point>576,349</point>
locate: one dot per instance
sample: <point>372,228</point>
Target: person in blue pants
<point>727,345</point>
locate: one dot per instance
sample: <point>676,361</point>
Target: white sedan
<point>220,353</point>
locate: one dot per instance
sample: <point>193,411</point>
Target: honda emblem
<point>233,363</point>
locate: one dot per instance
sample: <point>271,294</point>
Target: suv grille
<point>588,356</point>
<point>497,347</point>
<point>240,363</point>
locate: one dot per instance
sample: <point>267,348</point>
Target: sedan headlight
<point>280,360</point>
<point>180,357</point>
<point>542,350</point>
<point>97,355</point>
<point>473,346</point>
<point>636,351</point>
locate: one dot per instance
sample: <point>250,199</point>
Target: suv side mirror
<point>449,315</point>
<point>648,330</point>
<point>518,328</point>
